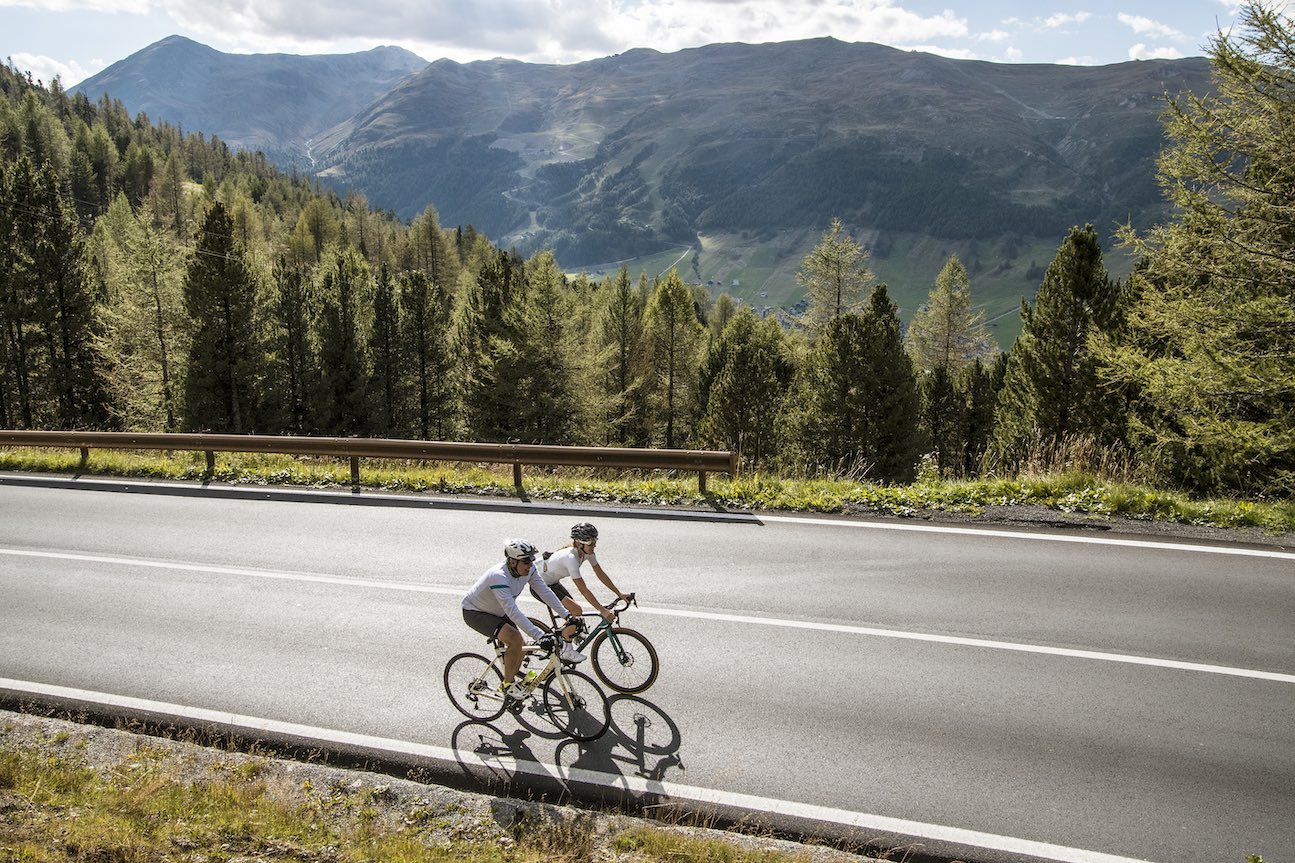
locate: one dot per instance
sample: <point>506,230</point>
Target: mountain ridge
<point>275,103</point>
<point>731,158</point>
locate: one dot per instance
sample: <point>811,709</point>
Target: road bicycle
<point>573,701</point>
<point>623,658</point>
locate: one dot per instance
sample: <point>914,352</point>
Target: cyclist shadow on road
<point>642,743</point>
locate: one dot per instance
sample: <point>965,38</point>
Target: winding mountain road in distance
<point>1025,696</point>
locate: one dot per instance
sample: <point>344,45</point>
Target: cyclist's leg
<point>513,644</point>
<point>570,605</point>
<point>493,626</point>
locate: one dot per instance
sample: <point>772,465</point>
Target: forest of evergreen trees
<point>152,279</point>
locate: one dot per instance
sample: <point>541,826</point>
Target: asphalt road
<point>1067,697</point>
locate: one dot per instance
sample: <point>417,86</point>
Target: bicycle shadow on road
<point>641,746</point>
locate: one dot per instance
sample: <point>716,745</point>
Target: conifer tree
<point>548,415</point>
<point>425,334</point>
<point>832,390</point>
<point>387,373</point>
<point>1208,357</point>
<point>220,296</point>
<point>717,319</point>
<point>432,252</point>
<point>942,419</point>
<point>947,331</point>
<point>292,313</point>
<point>744,382</point>
<point>146,329</point>
<point>488,345</point>
<point>51,373</point>
<point>893,440</point>
<point>835,276</point>
<point>345,295</point>
<point>620,332</point>
<point>674,335</point>
<point>977,388</point>
<point>1052,391</point>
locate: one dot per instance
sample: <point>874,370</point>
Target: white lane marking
<point>846,817</point>
<point>1036,537</point>
<point>960,641</point>
<point>979,642</point>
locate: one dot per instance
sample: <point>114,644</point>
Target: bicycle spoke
<point>625,660</point>
<point>576,705</point>
<point>472,683</point>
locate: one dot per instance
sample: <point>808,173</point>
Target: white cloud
<point>132,7</point>
<point>535,30</point>
<point>1143,52</point>
<point>1140,24</point>
<point>1013,55</point>
<point>1063,19</point>
<point>47,68</point>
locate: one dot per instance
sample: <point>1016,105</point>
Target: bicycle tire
<point>631,668</point>
<point>586,719</point>
<point>468,676</point>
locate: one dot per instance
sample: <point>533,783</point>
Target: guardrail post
<point>355,470</point>
<point>85,456</point>
<point>701,482</point>
<point>211,462</point>
<point>517,477</point>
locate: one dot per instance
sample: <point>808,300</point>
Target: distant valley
<point>727,161</point>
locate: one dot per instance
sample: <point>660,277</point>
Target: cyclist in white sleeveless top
<point>490,608</point>
<point>566,563</point>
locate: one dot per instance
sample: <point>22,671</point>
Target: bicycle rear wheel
<point>472,682</point>
<point>625,660</point>
<point>579,709</point>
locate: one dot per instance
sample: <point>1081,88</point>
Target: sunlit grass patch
<point>1066,490</point>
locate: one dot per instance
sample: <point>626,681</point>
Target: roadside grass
<point>146,809</point>
<point>1070,491</point>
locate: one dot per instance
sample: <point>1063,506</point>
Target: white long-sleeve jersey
<point>496,592</point>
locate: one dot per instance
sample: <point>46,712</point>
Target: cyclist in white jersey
<point>566,562</point>
<point>490,608</point>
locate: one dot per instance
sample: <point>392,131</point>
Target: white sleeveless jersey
<point>565,564</point>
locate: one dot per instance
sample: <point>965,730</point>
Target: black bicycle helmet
<point>584,532</point>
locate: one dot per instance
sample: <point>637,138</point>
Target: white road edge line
<point>873,632</point>
<point>1036,537</point>
<point>861,820</point>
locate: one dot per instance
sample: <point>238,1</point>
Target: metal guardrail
<point>702,461</point>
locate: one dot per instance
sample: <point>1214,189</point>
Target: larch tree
<point>620,336</point>
<point>948,331</point>
<point>1207,356</point>
<point>835,276</point>
<point>674,335</point>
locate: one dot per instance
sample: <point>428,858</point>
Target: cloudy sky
<point>77,38</point>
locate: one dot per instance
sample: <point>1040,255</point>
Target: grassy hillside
<point>761,269</point>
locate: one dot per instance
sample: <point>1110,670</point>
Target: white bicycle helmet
<point>519,549</point>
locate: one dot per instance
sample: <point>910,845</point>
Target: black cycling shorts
<point>559,588</point>
<point>486,624</point>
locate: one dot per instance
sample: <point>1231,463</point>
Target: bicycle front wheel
<point>625,660</point>
<point>576,705</point>
<point>472,682</point>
